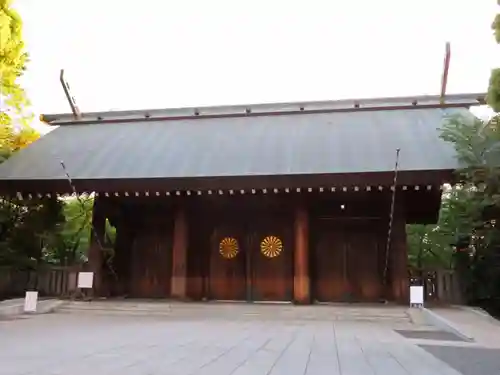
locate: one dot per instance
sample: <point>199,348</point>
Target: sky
<point>124,54</point>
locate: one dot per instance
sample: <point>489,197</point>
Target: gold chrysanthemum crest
<point>271,246</point>
<point>229,248</point>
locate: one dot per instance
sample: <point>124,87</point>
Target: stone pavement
<point>482,357</point>
<point>468,360</point>
<point>13,307</point>
<point>74,344</point>
<point>483,328</point>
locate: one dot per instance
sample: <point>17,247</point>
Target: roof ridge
<point>342,105</point>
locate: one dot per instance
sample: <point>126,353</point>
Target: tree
<point>494,86</point>
<point>432,246</point>
<point>15,131</point>
<point>477,207</point>
<point>25,227</point>
<point>470,215</point>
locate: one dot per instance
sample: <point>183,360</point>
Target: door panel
<point>152,262</point>
<point>330,262</point>
<point>363,273</point>
<point>271,263</point>
<point>345,261</point>
<point>227,265</point>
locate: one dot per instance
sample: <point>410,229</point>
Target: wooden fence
<point>440,285</point>
<point>49,281</point>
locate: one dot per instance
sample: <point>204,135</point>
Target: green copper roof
<point>290,144</point>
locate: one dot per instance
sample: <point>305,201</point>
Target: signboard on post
<point>30,302</point>
<point>417,296</point>
<point>85,280</point>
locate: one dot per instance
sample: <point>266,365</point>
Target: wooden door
<point>329,262</point>
<point>151,262</point>
<point>363,261</point>
<point>271,262</point>
<point>227,280</point>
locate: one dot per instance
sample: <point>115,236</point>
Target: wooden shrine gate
<point>252,262</point>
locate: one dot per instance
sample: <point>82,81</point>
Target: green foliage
<point>14,129</point>
<point>474,206</point>
<point>494,90</point>
<point>13,58</point>
<point>466,236</point>
<point>432,246</point>
<point>26,229</point>
<point>421,248</point>
<point>495,26</point>
<point>40,230</point>
<point>70,241</point>
<point>55,231</point>
<point>494,85</point>
<point>477,146</point>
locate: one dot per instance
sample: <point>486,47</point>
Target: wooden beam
<point>71,99</point>
<point>446,67</point>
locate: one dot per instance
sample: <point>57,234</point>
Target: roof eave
<point>237,183</point>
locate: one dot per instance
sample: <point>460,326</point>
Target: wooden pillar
<point>179,256</point>
<point>95,254</point>
<point>301,282</point>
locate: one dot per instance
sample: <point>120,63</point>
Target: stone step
<point>238,311</point>
<point>144,313</point>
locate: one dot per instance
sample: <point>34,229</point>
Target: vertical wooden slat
<point>50,281</point>
<point>65,281</point>
<point>301,286</point>
<point>46,281</point>
<point>57,282</point>
<point>61,282</point>
<point>179,256</point>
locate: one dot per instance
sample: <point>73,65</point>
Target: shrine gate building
<point>271,202</point>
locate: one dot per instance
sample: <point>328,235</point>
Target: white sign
<point>416,295</point>
<point>30,301</point>
<point>85,280</point>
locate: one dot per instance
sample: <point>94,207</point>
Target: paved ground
<point>474,323</point>
<point>468,360</point>
<point>204,344</point>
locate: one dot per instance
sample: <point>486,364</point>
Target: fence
<point>440,285</point>
<point>49,281</point>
